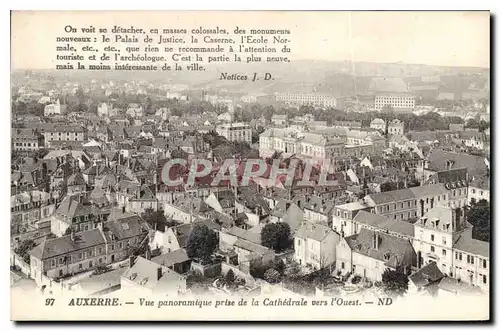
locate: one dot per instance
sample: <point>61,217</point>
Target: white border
<point>5,120</point>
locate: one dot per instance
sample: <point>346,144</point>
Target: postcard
<point>250,165</point>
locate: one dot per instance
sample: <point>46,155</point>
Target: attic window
<point>144,281</point>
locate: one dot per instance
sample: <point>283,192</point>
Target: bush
<point>272,276</point>
<point>356,279</point>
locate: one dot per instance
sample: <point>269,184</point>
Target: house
<point>369,253</point>
<point>74,253</point>
<point>26,140</point>
<point>396,127</point>
<point>146,199</point>
<point>145,277</point>
<point>444,237</point>
<point>315,245</point>
<point>425,280</point>
<point>479,189</point>
<point>72,214</point>
<point>177,260</point>
<point>175,237</point>
<point>99,285</point>
<point>279,120</point>
<point>76,184</point>
<point>378,124</point>
<point>55,109</point>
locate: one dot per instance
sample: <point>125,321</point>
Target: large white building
<point>235,132</point>
<point>54,109</point>
<point>312,99</point>
<point>395,100</point>
<point>303,144</point>
<point>444,237</point>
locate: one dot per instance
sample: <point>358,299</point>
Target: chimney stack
<point>376,240</point>
<point>159,272</point>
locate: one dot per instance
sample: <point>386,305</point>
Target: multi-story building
<point>396,127</point>
<point>235,132</point>
<point>26,140</point>
<point>403,205</point>
<point>313,99</point>
<point>303,144</point>
<point>315,245</point>
<point>64,133</point>
<point>378,124</point>
<point>83,251</point>
<point>369,253</point>
<point>442,236</point>
<point>479,189</point>
<point>71,215</point>
<point>55,109</point>
<point>395,100</point>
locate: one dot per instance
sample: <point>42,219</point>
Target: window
<point>474,190</point>
<point>432,237</point>
<point>53,263</point>
<point>61,260</point>
<point>484,263</point>
<point>90,264</point>
<point>100,250</point>
<point>444,240</point>
<point>456,255</point>
<point>80,266</point>
<point>471,259</point>
<point>120,245</point>
<point>112,247</point>
<point>484,279</point>
<point>444,252</point>
<point>460,256</point>
<point>298,242</point>
<point>432,249</point>
<point>343,265</point>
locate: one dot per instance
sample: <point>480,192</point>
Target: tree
<point>24,248</point>
<point>201,243</point>
<point>156,219</point>
<point>230,277</point>
<point>272,276</point>
<point>479,215</point>
<point>394,282</point>
<point>276,236</point>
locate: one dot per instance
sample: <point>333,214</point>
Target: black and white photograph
<point>250,165</point>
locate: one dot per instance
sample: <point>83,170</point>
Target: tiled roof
<point>426,275</point>
<point>382,222</point>
<point>313,231</point>
<point>392,250</point>
<point>467,244</point>
<point>171,258</point>
<point>64,245</point>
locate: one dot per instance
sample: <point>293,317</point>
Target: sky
<point>433,38</point>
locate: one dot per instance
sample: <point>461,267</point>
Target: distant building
<point>396,127</point>
<point>397,101</point>
<point>55,109</point>
<point>279,120</point>
<point>378,124</point>
<point>307,99</point>
<point>26,140</point>
<point>235,132</point>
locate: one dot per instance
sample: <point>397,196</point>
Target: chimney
<point>376,240</point>
<point>159,273</point>
<point>131,260</point>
